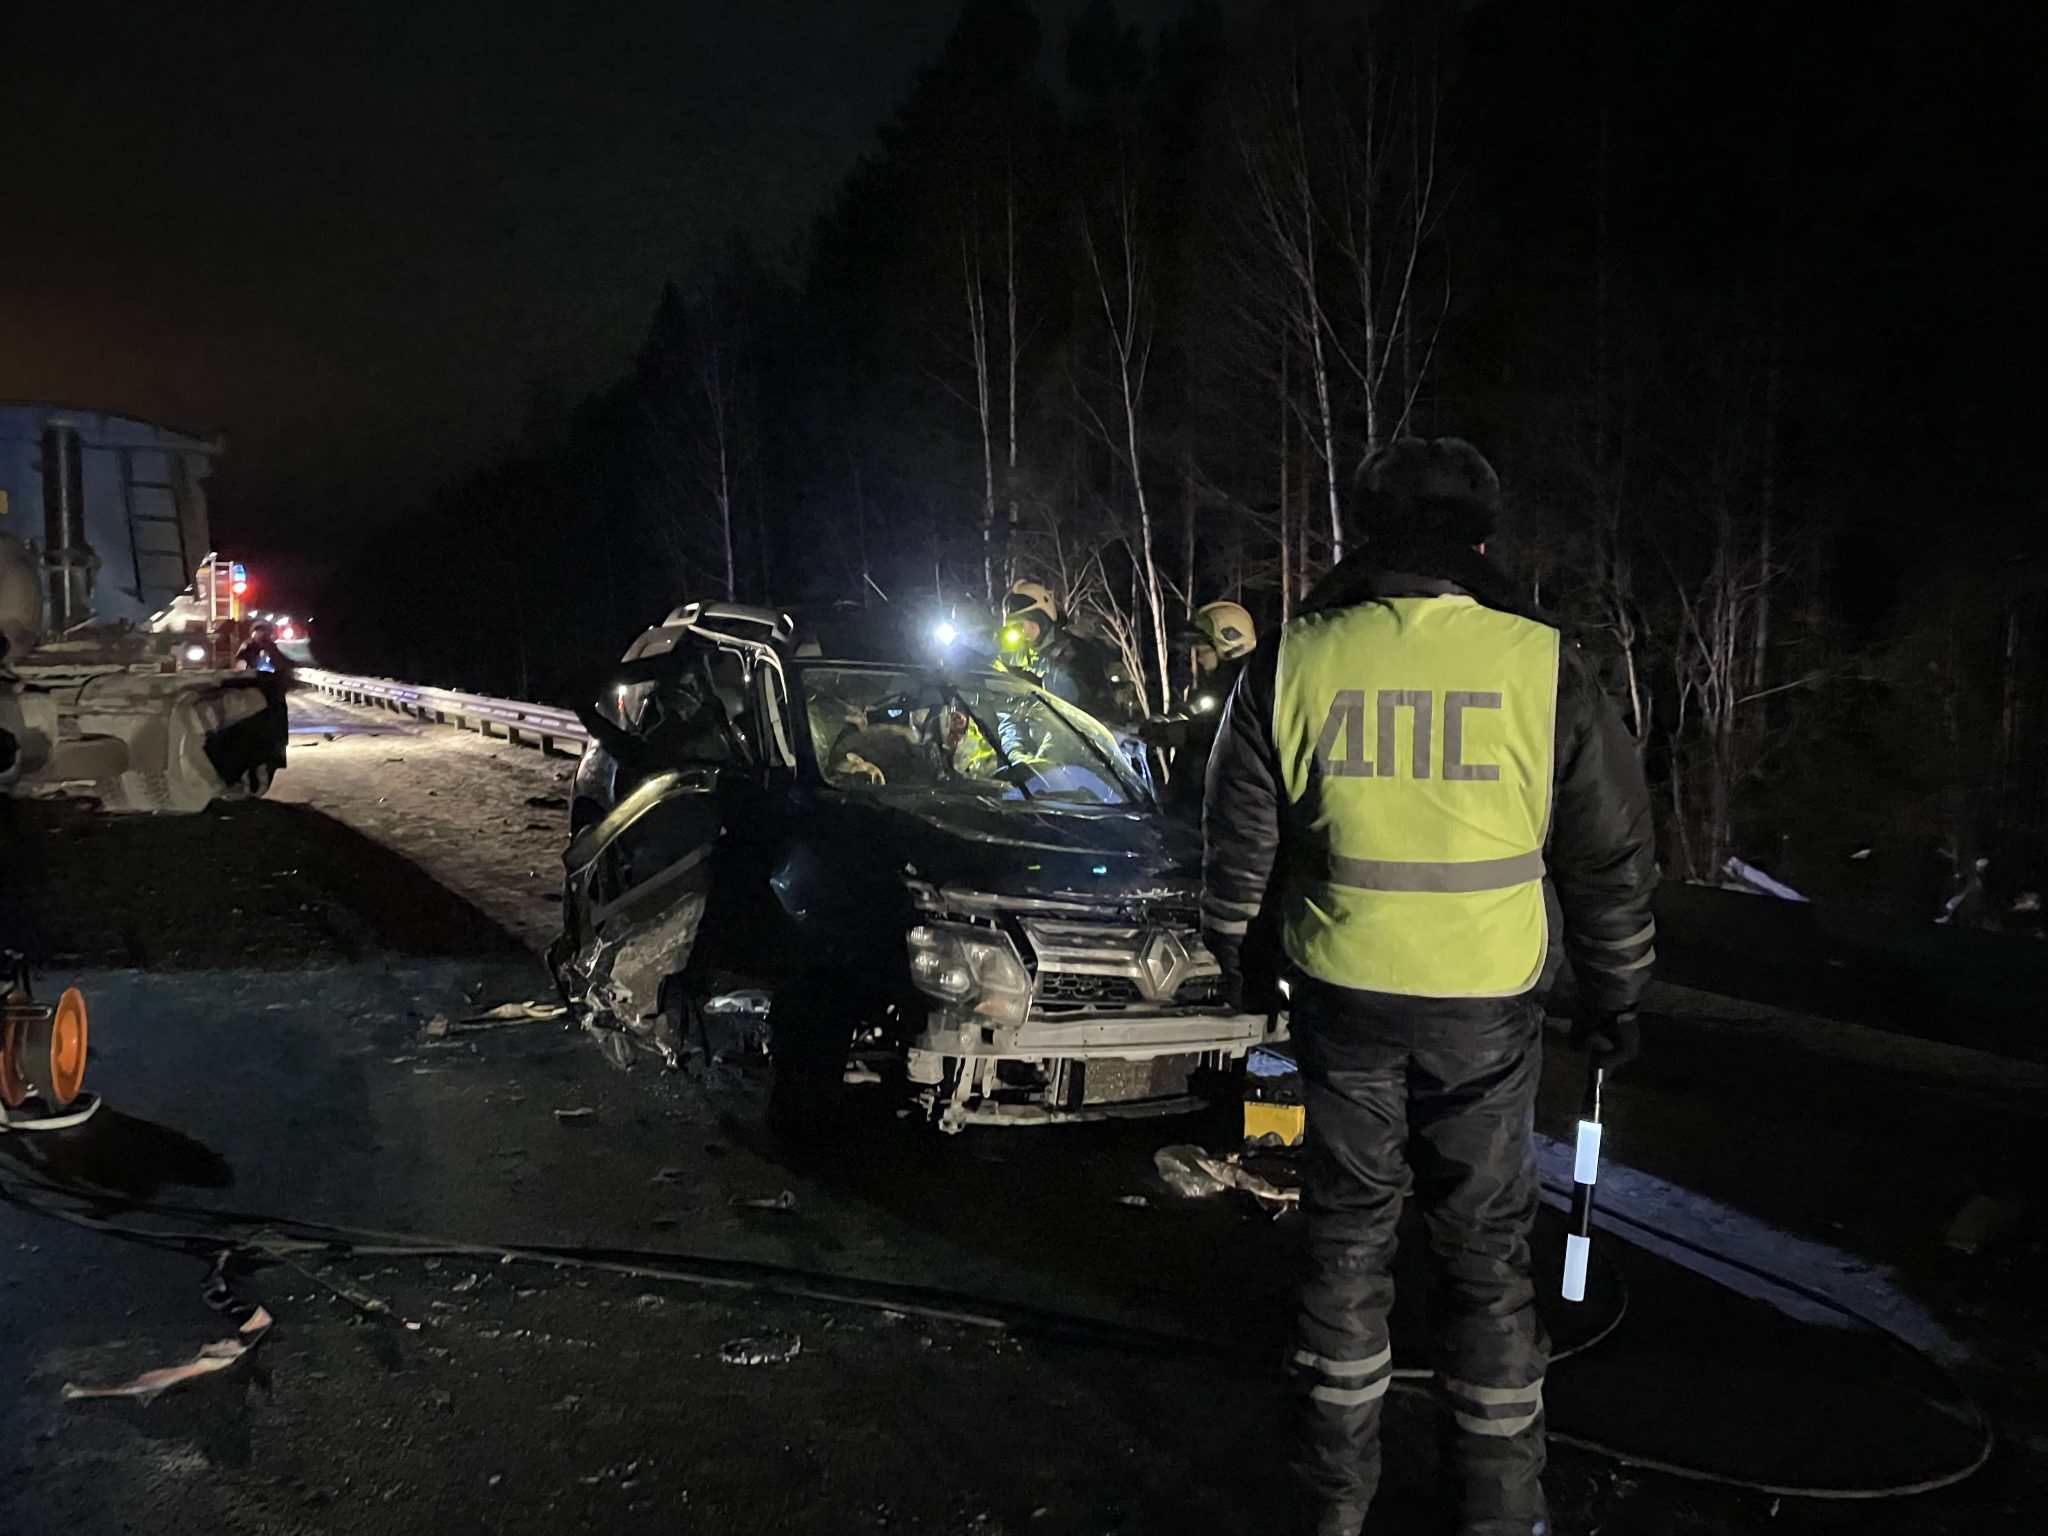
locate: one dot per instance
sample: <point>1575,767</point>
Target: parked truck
<point>115,682</point>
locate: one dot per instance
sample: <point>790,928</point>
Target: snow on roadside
<point>461,806</point>
<point>1745,1254</point>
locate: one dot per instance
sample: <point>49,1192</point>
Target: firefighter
<point>1084,672</point>
<point>1220,640</point>
<point>1225,638</point>
<point>1416,754</point>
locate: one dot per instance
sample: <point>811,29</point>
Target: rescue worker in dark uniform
<point>1414,757</point>
<point>259,653</point>
<point>1084,672</point>
<point>1221,639</point>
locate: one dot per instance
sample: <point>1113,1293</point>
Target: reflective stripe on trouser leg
<point>1344,1383</point>
<point>1471,1107</point>
<point>1353,1180</point>
<point>1497,1412</point>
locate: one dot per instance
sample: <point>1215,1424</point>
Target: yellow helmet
<point>1031,597</point>
<point>1229,628</point>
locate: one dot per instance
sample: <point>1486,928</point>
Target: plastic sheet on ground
<point>217,1356</point>
<point>1195,1172</point>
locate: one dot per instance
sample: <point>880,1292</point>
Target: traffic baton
<point>1578,1242</point>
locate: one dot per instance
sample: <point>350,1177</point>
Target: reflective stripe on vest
<point>1415,737</point>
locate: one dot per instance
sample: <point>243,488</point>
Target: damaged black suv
<point>941,870</point>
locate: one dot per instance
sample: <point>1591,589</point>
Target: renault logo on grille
<point>1163,964</point>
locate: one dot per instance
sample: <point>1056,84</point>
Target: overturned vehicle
<point>943,876</point>
<point>103,525</point>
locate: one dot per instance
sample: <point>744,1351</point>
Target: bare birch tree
<point>983,401</point>
<point>1127,323</point>
<point>1341,208</point>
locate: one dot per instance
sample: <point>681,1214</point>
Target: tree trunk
<point>1130,341</point>
<point>977,332</point>
<point>1286,490</point>
<point>1010,309</point>
<point>725,511</point>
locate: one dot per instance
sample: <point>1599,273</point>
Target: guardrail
<point>535,725</point>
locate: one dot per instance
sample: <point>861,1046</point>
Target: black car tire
<point>810,1033</point>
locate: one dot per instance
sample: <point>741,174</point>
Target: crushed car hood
<point>1013,849</point>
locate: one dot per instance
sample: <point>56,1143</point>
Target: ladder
<point>156,527</point>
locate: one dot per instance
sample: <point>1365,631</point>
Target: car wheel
<point>810,1032</point>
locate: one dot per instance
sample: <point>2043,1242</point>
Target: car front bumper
<point>1052,1071</point>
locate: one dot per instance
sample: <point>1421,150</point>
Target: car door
<point>747,934</point>
<point>641,880</point>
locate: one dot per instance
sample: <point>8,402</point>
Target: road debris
<point>508,1013</point>
<point>1132,1200</point>
<point>1181,1167</point>
<point>437,1026</point>
<point>547,802</point>
<point>217,1356</point>
<point>579,1115</point>
<point>761,1349</point>
<point>786,1201</point>
<point>1194,1172</point>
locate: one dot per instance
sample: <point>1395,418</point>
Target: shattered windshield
<point>906,728</point>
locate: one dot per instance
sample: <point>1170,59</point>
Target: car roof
<point>835,632</point>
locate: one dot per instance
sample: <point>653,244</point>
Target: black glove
<point>1228,950</point>
<point>1233,991</point>
<point>1613,1040</point>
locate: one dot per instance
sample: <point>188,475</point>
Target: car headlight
<point>974,969</point>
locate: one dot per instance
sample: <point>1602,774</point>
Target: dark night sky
<point>351,237</point>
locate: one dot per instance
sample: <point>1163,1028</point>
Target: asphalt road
<point>263,980</point>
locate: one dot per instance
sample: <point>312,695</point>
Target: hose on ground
<point>288,1240</point>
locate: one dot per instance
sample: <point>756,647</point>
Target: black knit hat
<point>1427,490</point>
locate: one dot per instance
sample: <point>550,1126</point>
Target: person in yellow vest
<point>1394,781</point>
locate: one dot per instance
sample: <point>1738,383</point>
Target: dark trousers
<point>1435,1098</point>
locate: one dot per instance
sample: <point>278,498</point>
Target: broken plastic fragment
<point>1194,1172</point>
<point>217,1356</point>
<point>510,1011</point>
<point>762,1349</point>
<point>748,1000</point>
<point>1181,1168</point>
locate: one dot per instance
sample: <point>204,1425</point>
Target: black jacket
<point>1085,673</point>
<point>1601,854</point>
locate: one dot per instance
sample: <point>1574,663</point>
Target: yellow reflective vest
<point>1415,738</point>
